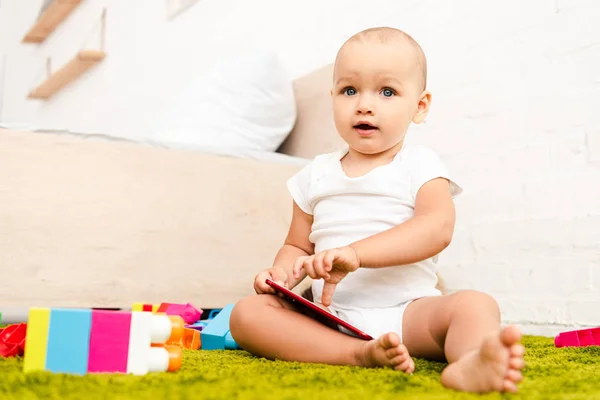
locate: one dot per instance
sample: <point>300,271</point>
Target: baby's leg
<point>271,327</point>
<point>464,329</point>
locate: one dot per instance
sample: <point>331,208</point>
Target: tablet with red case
<point>317,313</point>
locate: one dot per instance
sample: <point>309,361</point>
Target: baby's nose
<point>364,107</point>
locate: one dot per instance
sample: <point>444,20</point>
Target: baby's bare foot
<point>387,351</point>
<point>495,366</point>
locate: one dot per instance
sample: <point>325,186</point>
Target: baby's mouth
<point>365,127</point>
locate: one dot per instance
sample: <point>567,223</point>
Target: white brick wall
<point>521,133</point>
<point>516,94</point>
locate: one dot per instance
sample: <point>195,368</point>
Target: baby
<point>368,223</point>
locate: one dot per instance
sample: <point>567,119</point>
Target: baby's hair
<point>385,34</point>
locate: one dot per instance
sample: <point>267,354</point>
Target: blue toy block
<point>216,336</point>
<point>68,341</point>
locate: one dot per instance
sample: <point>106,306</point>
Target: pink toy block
<point>186,311</point>
<point>578,338</point>
<point>109,341</point>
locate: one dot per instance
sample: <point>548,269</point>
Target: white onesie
<point>347,209</point>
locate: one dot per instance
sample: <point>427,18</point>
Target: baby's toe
<point>516,363</point>
<point>403,363</point>
<point>389,340</point>
<point>514,375</point>
<point>517,350</point>
<point>509,386</point>
<point>396,351</point>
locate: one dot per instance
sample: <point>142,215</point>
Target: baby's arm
<point>423,236</point>
<point>296,245</point>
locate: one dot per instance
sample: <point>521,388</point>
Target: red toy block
<point>578,338</point>
<point>12,340</point>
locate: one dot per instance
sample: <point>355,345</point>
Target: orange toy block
<point>189,340</point>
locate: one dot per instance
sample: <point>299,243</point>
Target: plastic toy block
<point>216,336</point>
<point>145,307</point>
<point>189,340</point>
<point>146,331</point>
<point>198,325</point>
<point>188,312</point>
<point>578,338</point>
<point>213,313</point>
<point>12,340</point>
<point>162,308</point>
<point>38,325</point>
<point>109,341</point>
<point>68,340</point>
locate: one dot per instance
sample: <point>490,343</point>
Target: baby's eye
<point>387,92</point>
<point>349,91</point>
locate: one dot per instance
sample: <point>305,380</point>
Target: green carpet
<point>551,373</point>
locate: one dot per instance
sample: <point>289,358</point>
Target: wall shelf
<point>50,18</point>
<point>83,61</point>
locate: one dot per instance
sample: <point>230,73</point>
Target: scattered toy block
<point>68,340</point>
<point>189,340</point>
<point>213,313</point>
<point>109,341</point>
<point>12,340</point>
<point>216,335</point>
<point>145,307</point>
<point>162,308</point>
<point>38,326</point>
<point>198,325</point>
<point>188,312</point>
<point>578,338</point>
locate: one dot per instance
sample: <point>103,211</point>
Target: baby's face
<point>377,92</point>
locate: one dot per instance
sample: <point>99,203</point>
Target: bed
<point>89,222</point>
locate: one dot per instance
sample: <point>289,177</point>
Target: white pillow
<point>244,102</point>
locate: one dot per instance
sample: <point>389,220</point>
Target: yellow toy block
<point>38,324</point>
<point>145,307</point>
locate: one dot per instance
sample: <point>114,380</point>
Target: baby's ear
<point>422,107</point>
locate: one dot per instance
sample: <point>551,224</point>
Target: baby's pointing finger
<point>327,296</point>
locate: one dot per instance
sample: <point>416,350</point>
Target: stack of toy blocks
<point>80,341</point>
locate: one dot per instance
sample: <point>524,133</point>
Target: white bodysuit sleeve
<point>427,165</point>
<point>298,186</point>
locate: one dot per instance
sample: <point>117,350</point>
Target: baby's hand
<point>330,265</point>
<point>276,274</point>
